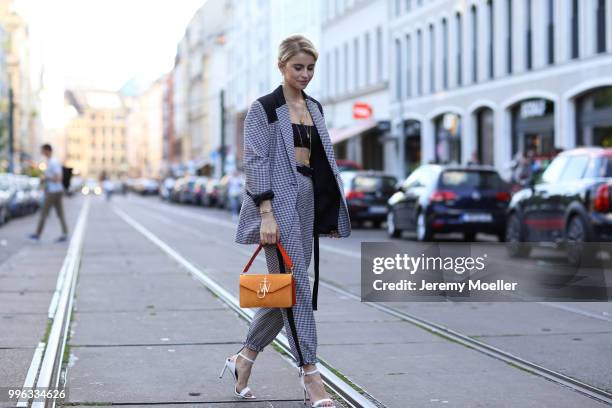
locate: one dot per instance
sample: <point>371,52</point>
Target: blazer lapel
<point>284,121</point>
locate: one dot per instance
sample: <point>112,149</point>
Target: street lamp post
<point>11,152</point>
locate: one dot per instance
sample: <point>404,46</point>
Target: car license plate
<point>477,217</point>
<point>378,209</point>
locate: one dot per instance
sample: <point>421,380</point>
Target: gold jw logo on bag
<point>264,287</point>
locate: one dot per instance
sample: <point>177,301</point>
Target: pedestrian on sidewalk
<point>234,189</point>
<point>294,195</point>
<point>107,186</point>
<point>54,190</point>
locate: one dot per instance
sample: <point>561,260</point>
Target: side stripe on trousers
<point>290,313</point>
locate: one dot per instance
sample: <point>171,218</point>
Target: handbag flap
<point>273,282</point>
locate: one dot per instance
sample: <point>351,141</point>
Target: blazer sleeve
<point>257,139</point>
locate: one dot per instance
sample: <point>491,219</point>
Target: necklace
<point>307,131</point>
<point>308,136</point>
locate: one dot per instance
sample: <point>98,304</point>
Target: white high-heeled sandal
<point>231,365</point>
<point>316,404</point>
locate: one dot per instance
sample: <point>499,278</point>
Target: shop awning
<point>338,135</point>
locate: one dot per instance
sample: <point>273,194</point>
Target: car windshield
<point>370,184</point>
<point>605,167</point>
<point>470,179</point>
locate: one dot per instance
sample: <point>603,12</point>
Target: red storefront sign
<point>362,110</point>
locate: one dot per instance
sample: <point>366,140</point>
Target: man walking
<point>54,190</point>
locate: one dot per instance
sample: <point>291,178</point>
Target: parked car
<point>344,165</point>
<point>223,191</point>
<point>568,207</point>
<point>199,191</point>
<point>4,205</point>
<point>212,193</point>
<point>144,186</point>
<point>20,195</point>
<point>366,194</point>
<point>446,198</point>
<point>91,186</point>
<point>183,191</point>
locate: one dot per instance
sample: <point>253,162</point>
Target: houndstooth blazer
<point>269,164</point>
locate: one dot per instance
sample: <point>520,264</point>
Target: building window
<point>346,67</point>
<point>367,58</point>
<point>474,18</point>
<point>550,32</point>
<point>357,64</point>
<point>408,5</point>
<point>398,7</point>
<point>337,71</point>
<point>379,54</point>
<point>398,70</point>
<point>491,37</point>
<point>408,66</point>
<point>509,38</point>
<point>444,54</point>
<point>328,73</point>
<point>529,37</point>
<point>419,63</point>
<point>448,138</point>
<point>574,25</point>
<point>601,26</point>
<point>432,59</point>
<point>594,118</point>
<point>459,50</point>
<point>533,127</point>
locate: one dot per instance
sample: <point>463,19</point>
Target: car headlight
<point>85,190</point>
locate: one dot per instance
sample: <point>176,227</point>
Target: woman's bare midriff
<point>301,154</point>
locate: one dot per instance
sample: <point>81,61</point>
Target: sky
<point>104,43</point>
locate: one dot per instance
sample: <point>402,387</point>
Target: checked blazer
<point>269,164</point>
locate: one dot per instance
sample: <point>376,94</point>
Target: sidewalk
<point>28,276</point>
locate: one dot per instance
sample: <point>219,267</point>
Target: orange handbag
<point>268,290</point>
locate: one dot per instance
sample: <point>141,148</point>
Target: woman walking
<point>293,194</point>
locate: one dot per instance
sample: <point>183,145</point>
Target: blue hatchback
<point>446,198</point>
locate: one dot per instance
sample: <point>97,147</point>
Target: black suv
<point>569,206</point>
<point>367,192</point>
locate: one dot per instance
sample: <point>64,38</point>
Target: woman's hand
<point>269,233</point>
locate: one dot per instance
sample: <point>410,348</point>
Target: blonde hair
<point>293,45</point>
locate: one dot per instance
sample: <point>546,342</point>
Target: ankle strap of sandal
<point>304,372</point>
<point>245,357</point>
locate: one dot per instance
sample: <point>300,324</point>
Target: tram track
<point>557,377</point>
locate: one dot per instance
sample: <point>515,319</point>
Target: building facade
<point>485,80</point>
<point>354,69</point>
<point>24,85</point>
<point>96,140</point>
<point>255,30</point>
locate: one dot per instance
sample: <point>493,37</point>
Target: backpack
<point>66,177</point>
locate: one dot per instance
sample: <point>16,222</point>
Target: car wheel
<point>392,230</point>
<point>578,249</point>
<point>515,237</point>
<point>469,236</point>
<point>423,231</point>
<point>2,215</point>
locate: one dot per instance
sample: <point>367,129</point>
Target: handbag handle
<point>286,259</point>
